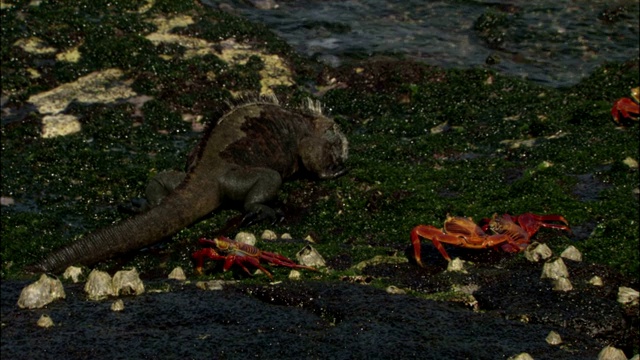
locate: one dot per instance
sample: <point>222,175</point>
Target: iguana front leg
<point>159,187</point>
<point>253,187</point>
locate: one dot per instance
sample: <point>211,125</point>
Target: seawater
<point>553,42</point>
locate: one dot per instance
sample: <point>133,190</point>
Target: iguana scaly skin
<point>244,158</point>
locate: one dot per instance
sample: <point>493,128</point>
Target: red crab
<point>240,254</point>
<point>625,109</point>
<point>510,233</point>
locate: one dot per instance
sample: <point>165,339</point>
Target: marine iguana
<point>244,157</point>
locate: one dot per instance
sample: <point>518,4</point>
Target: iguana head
<point>325,152</point>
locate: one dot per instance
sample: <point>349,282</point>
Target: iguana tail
<point>180,209</point>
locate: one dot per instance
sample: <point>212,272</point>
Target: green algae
<point>401,173</point>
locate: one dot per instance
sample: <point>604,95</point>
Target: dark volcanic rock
<point>286,321</point>
<point>513,290</point>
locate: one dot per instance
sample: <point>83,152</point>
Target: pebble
<point>456,265</point>
<point>177,274</point>
<point>521,356</point>
<point>627,296</point>
<point>117,305</point>
<point>572,253</point>
<point>45,321</point>
<point>294,275</point>
<point>41,293</point>
<point>631,163</point>
<point>562,284</point>
<point>246,238</point>
<point>537,251</point>
<point>210,285</point>
<point>391,289</point>
<point>596,281</point>
<point>310,239</point>
<point>73,273</point>
<point>553,338</point>
<point>269,235</point>
<point>611,353</point>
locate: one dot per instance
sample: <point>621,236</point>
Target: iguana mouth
<point>333,172</point>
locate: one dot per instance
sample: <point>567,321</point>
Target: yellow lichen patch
<point>631,163</point>
<point>194,46</point>
<point>275,71</point>
<point>97,87</point>
<point>35,45</point>
<point>59,125</point>
<point>33,73</point>
<point>146,7</point>
<point>165,25</point>
<point>71,55</point>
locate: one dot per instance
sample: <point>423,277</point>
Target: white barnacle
<point>99,285</point>
<point>246,238</point>
<point>571,253</point>
<point>553,338</point>
<point>41,293</point>
<point>127,282</point>
<point>627,296</point>
<point>554,270</point>
<point>537,251</point>
<point>177,274</point>
<point>309,256</point>
<point>45,321</point>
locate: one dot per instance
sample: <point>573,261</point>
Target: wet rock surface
<point>289,320</point>
<point>513,290</point>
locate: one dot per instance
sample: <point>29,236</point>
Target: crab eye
<point>221,244</point>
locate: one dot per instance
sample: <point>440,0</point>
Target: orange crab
<point>510,233</point>
<point>625,109</point>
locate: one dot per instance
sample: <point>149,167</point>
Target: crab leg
<point>240,260</point>
<point>205,253</point>
<point>430,233</point>
<point>458,231</point>
<point>280,260</point>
